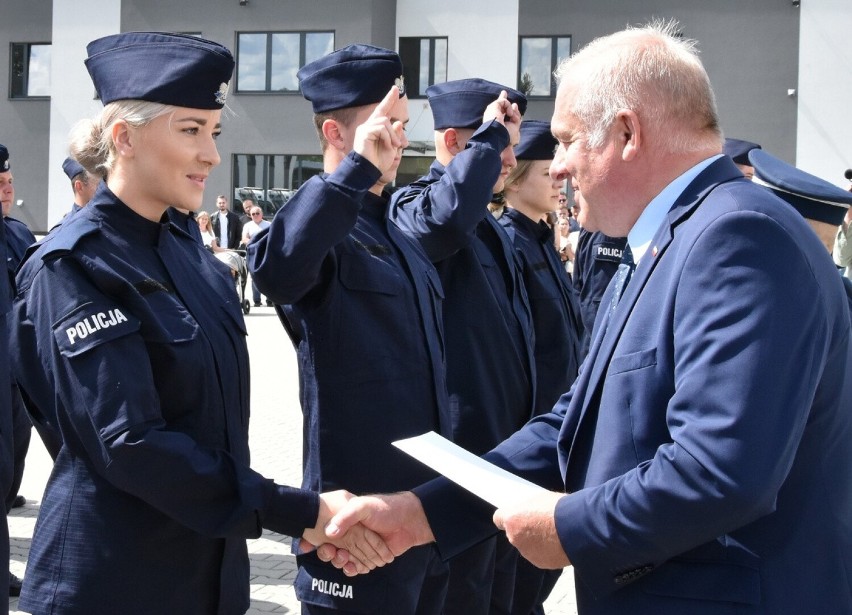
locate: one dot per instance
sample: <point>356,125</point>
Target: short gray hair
<point>649,70</point>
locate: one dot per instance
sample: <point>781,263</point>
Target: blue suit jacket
<point>705,444</point>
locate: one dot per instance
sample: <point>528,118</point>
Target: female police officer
<point>151,496</point>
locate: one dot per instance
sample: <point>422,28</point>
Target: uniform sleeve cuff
<point>288,510</point>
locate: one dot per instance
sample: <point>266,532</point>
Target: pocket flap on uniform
<point>91,325</point>
<point>375,276</point>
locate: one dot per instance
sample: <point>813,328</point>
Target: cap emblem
<point>222,93</point>
<point>400,83</point>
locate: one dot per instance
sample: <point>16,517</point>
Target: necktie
<point>622,276</point>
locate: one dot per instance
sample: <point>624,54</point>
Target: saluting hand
<point>531,527</point>
<point>378,139</point>
<point>503,111</point>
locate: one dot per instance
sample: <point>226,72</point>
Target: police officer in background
<point>822,204</point>
<point>8,585</point>
<point>83,183</point>
<point>487,320</point>
<point>151,497</point>
<point>595,263</point>
<point>738,150</point>
<point>18,239</point>
<point>530,195</point>
<point>361,303</point>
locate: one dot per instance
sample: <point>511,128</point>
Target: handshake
<point>359,534</point>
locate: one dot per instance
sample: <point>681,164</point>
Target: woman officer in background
<point>151,497</point>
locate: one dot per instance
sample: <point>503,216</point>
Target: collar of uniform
<point>539,229</point>
<point>117,217</point>
<point>374,205</point>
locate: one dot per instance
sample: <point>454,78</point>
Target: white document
<point>494,485</point>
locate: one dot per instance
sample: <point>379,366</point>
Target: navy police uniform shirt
<point>361,304</point>
<point>6,444</point>
<point>595,262</point>
<point>490,370</point>
<point>127,337</point>
<point>187,222</point>
<point>18,239</point>
<point>554,305</point>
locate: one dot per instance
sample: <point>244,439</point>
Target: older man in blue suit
<point>701,462</point>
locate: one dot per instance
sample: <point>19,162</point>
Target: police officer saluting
<point>151,497</point>
<point>361,303</point>
<point>490,364</point>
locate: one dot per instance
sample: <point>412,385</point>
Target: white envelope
<point>494,485</point>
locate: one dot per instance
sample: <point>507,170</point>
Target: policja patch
<point>91,325</point>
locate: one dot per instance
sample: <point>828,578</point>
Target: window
<point>412,168</point>
<point>271,179</point>
<point>539,56</point>
<point>30,70</point>
<point>269,61</point>
<point>424,62</point>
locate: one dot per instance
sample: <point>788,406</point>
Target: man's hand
<point>503,111</point>
<point>364,549</point>
<point>398,518</point>
<point>531,527</point>
<point>377,139</point>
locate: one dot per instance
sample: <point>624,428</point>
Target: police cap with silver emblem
<point>738,149</point>
<point>172,69</point>
<point>812,197</point>
<point>461,103</point>
<point>5,164</point>
<point>354,76</point>
<point>72,168</point>
<point>537,142</point>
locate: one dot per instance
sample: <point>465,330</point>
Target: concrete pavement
<point>276,440</point>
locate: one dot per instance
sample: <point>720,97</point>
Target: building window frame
<point>269,73</point>
<point>270,179</point>
<point>21,75</point>
<point>412,53</point>
<point>555,57</point>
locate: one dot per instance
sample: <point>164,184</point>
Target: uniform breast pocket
<point>370,276</point>
<point>167,320</point>
<point>483,255</point>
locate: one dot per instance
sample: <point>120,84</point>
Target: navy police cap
<point>172,69</point>
<point>461,103</point>
<point>812,197</point>
<point>5,165</point>
<point>72,168</point>
<point>354,76</point>
<point>537,142</point>
<point>738,149</point>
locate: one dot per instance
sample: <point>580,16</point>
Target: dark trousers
<point>21,433</point>
<point>532,587</point>
<point>482,579</point>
